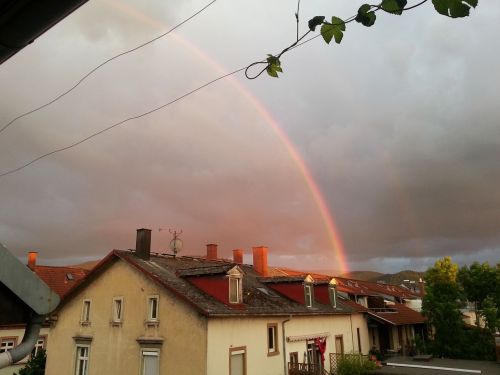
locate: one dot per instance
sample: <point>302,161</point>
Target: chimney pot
<point>238,256</point>
<point>260,260</point>
<point>211,251</point>
<point>32,255</point>
<point>143,243</point>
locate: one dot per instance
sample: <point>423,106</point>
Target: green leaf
<point>365,17</point>
<point>315,21</point>
<point>454,8</point>
<point>273,66</point>
<point>333,30</point>
<point>393,6</point>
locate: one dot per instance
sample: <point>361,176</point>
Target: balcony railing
<point>304,369</point>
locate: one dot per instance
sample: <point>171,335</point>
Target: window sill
<point>152,323</point>
<point>116,323</point>
<point>272,354</point>
<point>85,323</point>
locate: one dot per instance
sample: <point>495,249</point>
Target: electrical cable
<point>101,65</point>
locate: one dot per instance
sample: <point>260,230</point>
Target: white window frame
<point>40,344</point>
<point>7,343</point>
<point>308,295</point>
<point>272,335</point>
<point>235,282</point>
<point>150,317</point>
<point>333,296</point>
<point>117,309</point>
<point>86,311</point>
<point>79,359</point>
<point>152,353</point>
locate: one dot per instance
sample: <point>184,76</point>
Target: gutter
<point>284,343</point>
<point>26,346</point>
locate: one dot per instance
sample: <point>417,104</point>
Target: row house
<point>139,312</point>
<point>60,280</point>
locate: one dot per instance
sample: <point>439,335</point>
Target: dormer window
<point>235,276</point>
<point>332,292</point>
<point>308,291</point>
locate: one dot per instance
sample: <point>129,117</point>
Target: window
<point>272,339</point>
<point>40,344</point>
<point>82,359</point>
<point>237,361</point>
<point>333,296</point>
<point>153,308</point>
<point>86,312</point>
<point>117,309</point>
<point>294,357</point>
<point>7,343</point>
<point>235,276</point>
<point>234,289</point>
<point>150,362</point>
<point>308,295</point>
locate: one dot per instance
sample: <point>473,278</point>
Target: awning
<point>311,336</point>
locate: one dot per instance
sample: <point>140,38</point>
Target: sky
<point>397,128</point>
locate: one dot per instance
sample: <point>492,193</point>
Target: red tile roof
<point>400,315</point>
<point>60,279</point>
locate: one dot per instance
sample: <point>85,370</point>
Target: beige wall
<point>226,333</point>
<point>19,333</point>
<point>114,349</point>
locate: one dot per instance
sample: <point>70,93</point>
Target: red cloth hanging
<point>321,345</point>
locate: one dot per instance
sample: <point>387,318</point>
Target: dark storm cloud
<point>399,126</point>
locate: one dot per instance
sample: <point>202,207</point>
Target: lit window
<point>82,359</point>
<point>117,309</point>
<point>86,311</point>
<point>272,339</point>
<point>153,308</point>
<point>150,362</point>
<point>7,344</point>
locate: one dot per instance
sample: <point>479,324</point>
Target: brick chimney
<point>143,243</point>
<point>260,260</point>
<point>32,259</point>
<point>211,251</point>
<point>238,256</point>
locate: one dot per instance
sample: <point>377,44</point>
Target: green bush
<point>354,365</point>
<point>35,365</point>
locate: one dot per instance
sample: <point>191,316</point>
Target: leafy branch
<point>366,16</point>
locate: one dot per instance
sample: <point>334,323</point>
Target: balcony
<point>304,369</point>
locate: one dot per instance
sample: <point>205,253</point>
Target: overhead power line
<point>7,125</point>
<point>120,123</point>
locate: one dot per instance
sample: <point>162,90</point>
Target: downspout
<point>285,367</point>
<point>352,334</point>
<point>26,346</point>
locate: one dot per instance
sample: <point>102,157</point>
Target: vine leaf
<point>365,17</point>
<point>393,6</point>
<point>333,30</point>
<point>454,8</point>
<point>315,21</point>
<point>273,66</point>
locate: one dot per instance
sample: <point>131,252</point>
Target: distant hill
<point>363,275</point>
<point>397,278</point>
<point>388,278</point>
<point>87,265</point>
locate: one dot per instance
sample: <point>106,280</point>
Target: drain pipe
<point>285,368</point>
<point>26,346</point>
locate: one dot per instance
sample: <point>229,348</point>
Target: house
<point>393,317</point>
<point>139,312</point>
<point>60,280</point>
<point>392,312</point>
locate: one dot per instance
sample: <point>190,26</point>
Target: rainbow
<point>319,200</point>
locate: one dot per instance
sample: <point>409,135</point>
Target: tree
<point>441,305</point>
<point>35,365</point>
<point>479,283</point>
<point>334,28</point>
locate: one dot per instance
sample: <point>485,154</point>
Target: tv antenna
<point>176,242</point>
